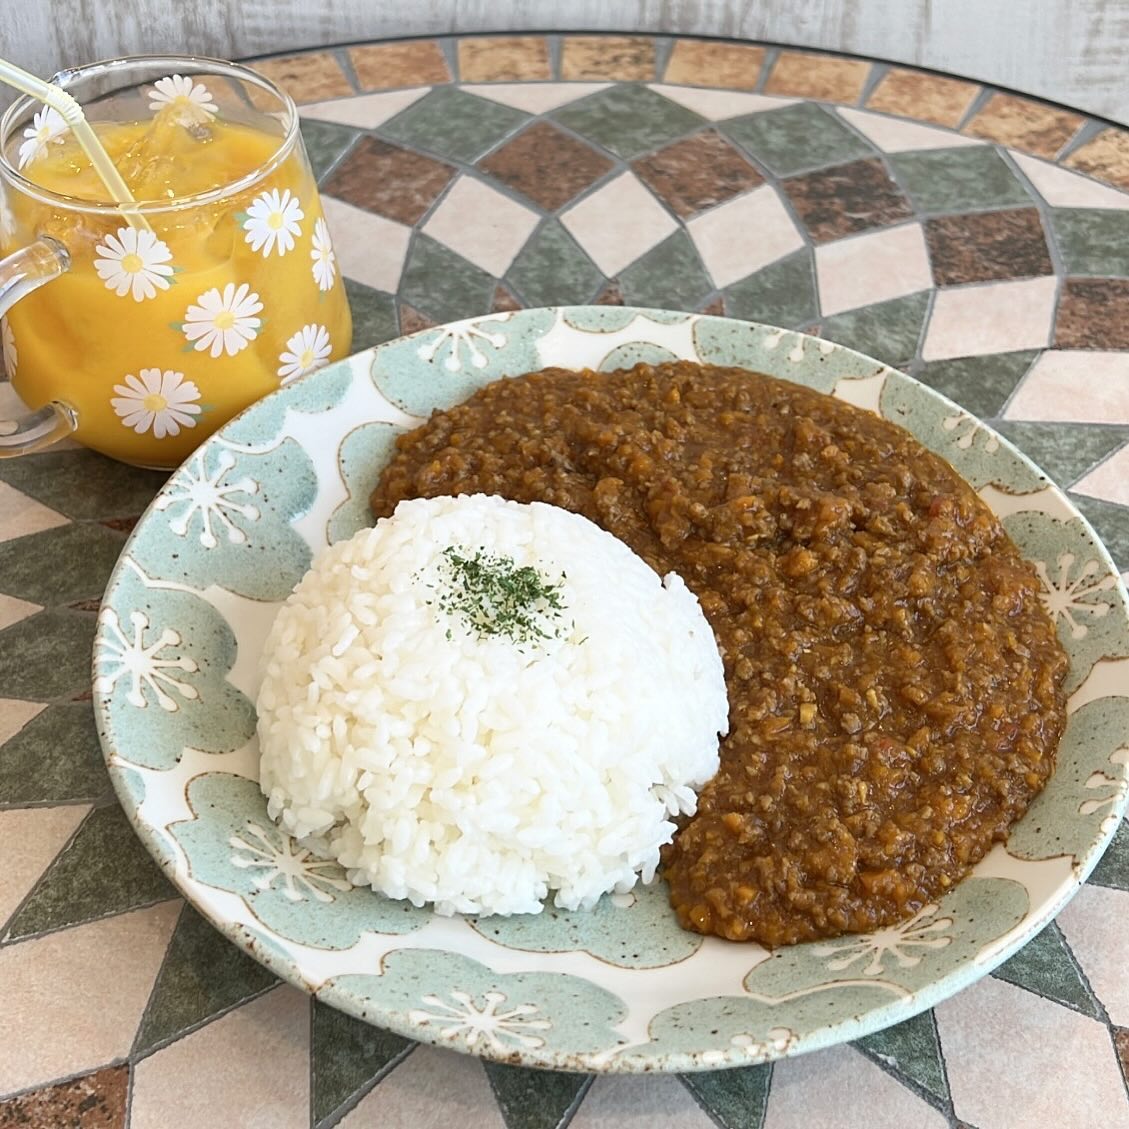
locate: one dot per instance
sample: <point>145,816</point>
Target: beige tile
<point>827,78</point>
<point>843,1088</point>
<point>31,838</point>
<point>1064,189</point>
<point>538,97</point>
<point>1074,386</point>
<point>1094,926</point>
<point>743,235</point>
<point>479,223</point>
<point>872,268</point>
<point>1026,124</point>
<point>997,318</point>
<point>928,97</point>
<point>76,996</point>
<point>1108,481</point>
<point>369,248</point>
<point>249,1068</point>
<point>14,715</point>
<point>21,515</point>
<point>718,105</point>
<point>646,1102</point>
<point>711,62</point>
<point>898,135</point>
<point>431,1089</point>
<point>1106,157</point>
<point>366,111</point>
<point>621,58</point>
<point>385,66</point>
<point>1015,1059</point>
<point>306,78</point>
<point>504,58</point>
<point>618,223</point>
<point>13,610</point>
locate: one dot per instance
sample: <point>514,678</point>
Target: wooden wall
<point>1072,51</point>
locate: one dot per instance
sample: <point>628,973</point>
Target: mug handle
<point>20,273</point>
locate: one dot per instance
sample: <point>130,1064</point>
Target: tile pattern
<point>964,235</point>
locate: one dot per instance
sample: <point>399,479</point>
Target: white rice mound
<point>444,766</point>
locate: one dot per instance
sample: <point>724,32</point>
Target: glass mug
<point>140,329</point>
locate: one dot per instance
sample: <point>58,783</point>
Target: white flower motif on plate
<point>1065,597</point>
<point>118,656</point>
<point>210,496</point>
<point>458,337</point>
<point>465,1020</point>
<point>277,856</point>
<point>895,941</point>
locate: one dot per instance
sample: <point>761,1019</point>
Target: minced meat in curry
<point>895,685</point>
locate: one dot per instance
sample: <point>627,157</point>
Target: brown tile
<point>547,165</point>
<point>510,58</point>
<point>1106,157</point>
<point>1121,1042</point>
<point>95,1101</point>
<point>1023,124</point>
<point>411,320</point>
<point>697,173</point>
<point>926,97</point>
<point>622,58</point>
<point>385,66</point>
<point>1093,313</point>
<point>388,180</point>
<point>697,62</point>
<point>307,78</point>
<point>987,246</point>
<point>824,77</point>
<point>846,199</point>
<point>611,295</point>
<point>503,300</point>
<point>715,306</point>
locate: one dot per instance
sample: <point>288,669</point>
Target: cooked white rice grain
<point>471,771</point>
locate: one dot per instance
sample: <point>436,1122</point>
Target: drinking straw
<point>58,99</point>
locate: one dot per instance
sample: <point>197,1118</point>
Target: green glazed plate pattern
<point>622,988</point>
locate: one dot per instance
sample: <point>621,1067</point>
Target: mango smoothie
<point>162,330</point>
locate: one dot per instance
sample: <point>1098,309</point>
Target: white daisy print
<point>8,343</point>
<point>161,402</point>
<point>224,322</point>
<point>272,220</point>
<point>192,99</point>
<point>307,350</point>
<point>325,261</point>
<point>134,261</point>
<point>47,125</point>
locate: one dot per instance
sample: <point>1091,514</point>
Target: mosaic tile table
<point>977,239</point>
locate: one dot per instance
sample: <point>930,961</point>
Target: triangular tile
<point>780,294</point>
<point>1065,453</point>
<point>1111,523</point>
<point>899,135</point>
<point>717,105</point>
<point>203,975</point>
<point>14,715</point>
<point>611,295</point>
<point>325,144</point>
<point>1063,189</point>
<point>348,1056</point>
<point>98,1099</point>
<point>1113,866</point>
<point>374,315</point>
<point>1046,966</point>
<point>370,249</point>
<point>503,300</point>
<point>535,1099</point>
<point>32,837</point>
<point>366,111</point>
<point>733,1098</point>
<point>443,286</point>
<point>534,97</point>
<point>55,758</point>
<point>80,886</point>
<point>670,277</point>
<point>1121,1042</point>
<point>714,307</point>
<point>887,331</point>
<point>552,270</point>
<point>911,1051</point>
<point>1109,481</point>
<point>82,484</point>
<point>59,566</point>
<point>47,656</point>
<point>21,515</point>
<point>981,385</point>
<point>412,321</point>
<point>13,610</point>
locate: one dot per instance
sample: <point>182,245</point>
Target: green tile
<point>1113,867</point>
<point>1066,451</point>
<point>83,484</point>
<point>670,277</point>
<point>348,1056</point>
<point>202,975</point>
<point>781,294</point>
<point>980,385</point>
<point>54,759</point>
<point>628,120</point>
<point>104,870</point>
<point>1046,966</point>
<point>911,1050</point>
<point>61,565</point>
<point>888,331</point>
<point>454,124</point>
<point>535,1099</point>
<point>1111,522</point>
<point>326,144</point>
<point>443,285</point>
<point>735,1099</point>
<point>552,270</point>
<point>1092,240</point>
<point>47,656</point>
<point>797,138</point>
<point>953,180</point>
<point>374,315</point>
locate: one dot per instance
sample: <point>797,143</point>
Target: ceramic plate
<point>621,988</point>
